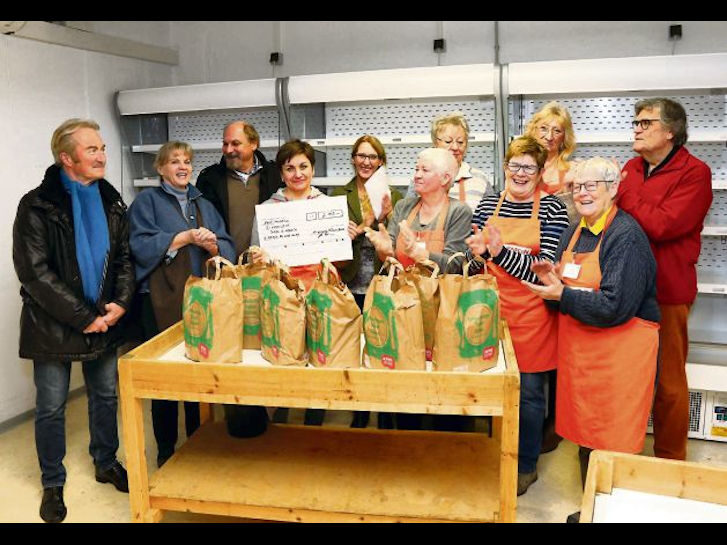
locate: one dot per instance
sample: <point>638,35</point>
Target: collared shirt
<point>600,222</point>
<point>245,176</point>
<point>660,165</point>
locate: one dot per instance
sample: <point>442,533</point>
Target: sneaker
<point>524,480</point>
<point>52,508</point>
<point>115,475</point>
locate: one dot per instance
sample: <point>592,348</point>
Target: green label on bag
<point>269,318</point>
<point>476,322</point>
<point>318,328</point>
<point>380,330</point>
<point>251,288</point>
<point>198,329</point>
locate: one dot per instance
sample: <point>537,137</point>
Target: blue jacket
<point>155,218</point>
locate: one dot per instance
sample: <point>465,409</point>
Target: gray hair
<point>671,114</point>
<point>442,161</point>
<point>597,168</point>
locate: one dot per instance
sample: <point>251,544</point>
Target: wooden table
<point>311,473</point>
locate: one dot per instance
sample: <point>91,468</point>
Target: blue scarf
<point>91,232</point>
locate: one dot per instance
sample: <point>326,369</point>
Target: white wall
<point>213,51</point>
<point>41,86</point>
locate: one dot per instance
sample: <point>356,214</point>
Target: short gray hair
<point>671,114</point>
<point>597,168</point>
<point>443,162</point>
<point>455,118</point>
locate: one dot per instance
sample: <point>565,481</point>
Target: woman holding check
<point>511,231</point>
<point>605,290</point>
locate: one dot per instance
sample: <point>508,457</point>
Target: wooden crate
<point>310,473</point>
<point>609,470</point>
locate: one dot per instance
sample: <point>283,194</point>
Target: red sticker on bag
<point>488,352</point>
<point>428,354</point>
<point>387,361</point>
<point>203,350</point>
<point>274,350</point>
<point>321,356</point>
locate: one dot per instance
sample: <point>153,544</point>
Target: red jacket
<point>670,205</point>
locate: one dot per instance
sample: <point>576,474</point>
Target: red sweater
<point>670,205</point>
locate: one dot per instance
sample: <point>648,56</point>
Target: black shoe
<point>360,419</point>
<point>52,508</point>
<point>524,480</point>
<point>115,475</point>
<point>574,518</point>
<point>314,417</point>
<point>161,460</point>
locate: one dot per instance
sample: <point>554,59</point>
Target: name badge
<point>571,270</point>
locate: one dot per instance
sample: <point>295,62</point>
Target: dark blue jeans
<point>51,382</point>
<point>532,415</point>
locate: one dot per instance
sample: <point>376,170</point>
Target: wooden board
<point>299,473</point>
<point>696,481</point>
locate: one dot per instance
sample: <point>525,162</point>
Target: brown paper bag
<point>333,321</point>
<point>213,316</point>
<point>393,322</point>
<point>424,276</point>
<point>467,329</point>
<point>282,318</point>
<point>252,277</point>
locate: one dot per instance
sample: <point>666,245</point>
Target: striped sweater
<point>553,218</point>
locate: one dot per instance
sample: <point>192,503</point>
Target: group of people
<point>595,266</point>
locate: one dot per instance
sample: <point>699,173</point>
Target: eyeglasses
<point>362,157</point>
<point>590,187</point>
<point>643,123</point>
<point>546,130</point>
<point>527,169</point>
<point>460,143</point>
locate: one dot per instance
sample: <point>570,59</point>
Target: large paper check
<point>304,232</point>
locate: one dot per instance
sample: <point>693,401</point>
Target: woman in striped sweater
<point>511,231</point>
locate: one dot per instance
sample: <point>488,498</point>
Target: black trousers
<point>165,413</point>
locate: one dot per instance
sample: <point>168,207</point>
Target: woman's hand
<point>477,243</point>
<point>412,247</point>
<point>494,240</point>
<point>380,239</point>
<point>546,272</point>
<point>354,230</point>
<point>258,255</point>
<point>386,207</point>
<point>551,292</point>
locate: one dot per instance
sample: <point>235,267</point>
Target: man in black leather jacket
<point>71,255</point>
<point>242,179</point>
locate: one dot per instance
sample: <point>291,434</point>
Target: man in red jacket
<point>669,191</point>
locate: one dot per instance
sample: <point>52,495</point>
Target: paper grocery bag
<point>424,277</point>
<point>333,321</point>
<point>252,277</point>
<point>467,328</point>
<point>282,317</point>
<point>213,316</point>
<point>393,322</point>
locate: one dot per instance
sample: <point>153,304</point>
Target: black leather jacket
<point>55,312</point>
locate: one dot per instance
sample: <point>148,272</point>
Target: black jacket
<point>212,182</point>
<point>55,312</point>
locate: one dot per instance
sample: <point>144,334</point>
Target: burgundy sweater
<point>670,205</point>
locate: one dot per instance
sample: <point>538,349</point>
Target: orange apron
<point>533,326</point>
<point>433,240</point>
<point>553,188</point>
<point>605,374</point>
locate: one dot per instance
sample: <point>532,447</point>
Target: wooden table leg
<point>509,435</point>
<point>133,428</point>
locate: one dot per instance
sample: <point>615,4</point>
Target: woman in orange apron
<point>430,226</point>
<point>523,225</point>
<point>605,289</point>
